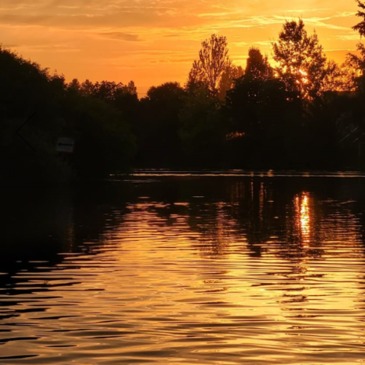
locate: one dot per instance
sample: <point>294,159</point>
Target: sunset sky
<point>151,42</point>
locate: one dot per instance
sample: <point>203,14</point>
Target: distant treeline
<point>305,113</point>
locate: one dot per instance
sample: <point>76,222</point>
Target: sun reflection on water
<point>303,216</point>
<point>253,273</point>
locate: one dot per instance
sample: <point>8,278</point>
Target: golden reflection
<point>303,215</point>
<point>217,233</point>
<point>149,288</point>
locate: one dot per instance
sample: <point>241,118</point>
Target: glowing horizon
<point>157,42</point>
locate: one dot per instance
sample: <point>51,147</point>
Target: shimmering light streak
<point>303,216</point>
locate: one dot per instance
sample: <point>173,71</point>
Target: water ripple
<point>259,275</point>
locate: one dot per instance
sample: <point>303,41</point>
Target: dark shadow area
<point>39,225</point>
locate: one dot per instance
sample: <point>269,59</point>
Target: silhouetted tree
<point>225,117</point>
<point>122,97</point>
<point>37,108</point>
<point>228,78</point>
<point>360,27</point>
<point>87,88</point>
<point>158,125</point>
<point>357,61</point>
<point>108,91</point>
<point>29,121</point>
<point>339,79</point>
<point>265,118</point>
<point>213,61</point>
<point>330,131</point>
<point>302,63</point>
<point>103,139</point>
<point>74,86</point>
<point>257,66</point>
<point>203,129</point>
<point>351,124</point>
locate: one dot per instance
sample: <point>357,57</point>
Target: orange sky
<point>155,41</point>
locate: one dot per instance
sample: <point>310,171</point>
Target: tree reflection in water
<point>260,268</point>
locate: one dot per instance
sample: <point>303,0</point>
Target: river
<point>185,269</point>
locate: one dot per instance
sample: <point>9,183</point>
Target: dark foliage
<point>301,116</point>
<point>36,109</point>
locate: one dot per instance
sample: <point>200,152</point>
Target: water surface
<point>187,269</point>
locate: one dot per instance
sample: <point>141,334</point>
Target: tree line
<point>306,112</point>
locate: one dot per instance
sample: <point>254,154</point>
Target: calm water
<point>185,270</point>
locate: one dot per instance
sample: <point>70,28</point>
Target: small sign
<point>65,145</point>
